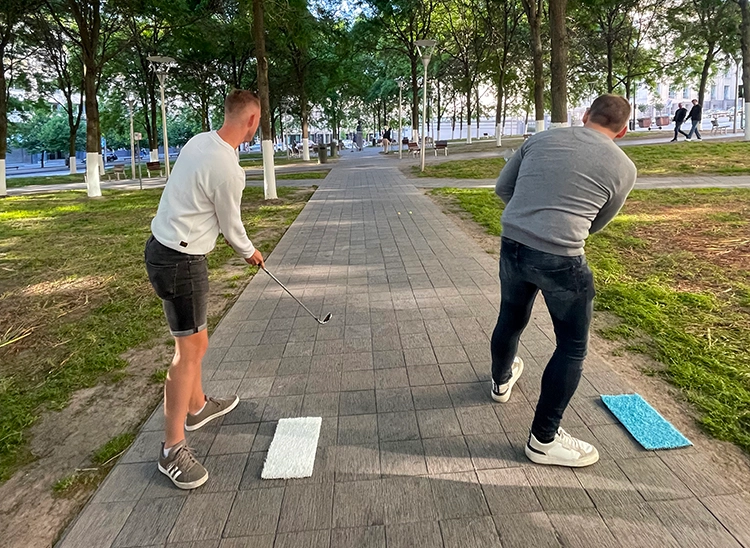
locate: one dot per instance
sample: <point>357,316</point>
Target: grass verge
<point>674,267</point>
<point>304,175</point>
<point>74,294</point>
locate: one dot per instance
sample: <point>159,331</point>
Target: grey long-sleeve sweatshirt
<point>561,186</point>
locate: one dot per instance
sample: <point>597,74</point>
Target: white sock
<point>165,451</point>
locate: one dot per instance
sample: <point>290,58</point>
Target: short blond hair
<point>238,100</point>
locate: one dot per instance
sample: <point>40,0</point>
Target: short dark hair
<point>238,100</point>
<point>610,111</point>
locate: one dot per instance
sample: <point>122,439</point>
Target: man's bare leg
<point>183,377</point>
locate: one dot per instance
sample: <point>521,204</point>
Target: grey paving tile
<point>251,474</point>
<point>408,500</point>
<point>358,504</point>
<point>508,491</point>
<point>263,437</point>
<point>306,507</point>
<point>557,488</point>
<point>357,361</point>
<point>733,511</point>
<point>391,378</point>
<point>255,512</point>
<point>490,451</point>
<point>145,448</point>
<point>438,423</point>
<point>202,517</point>
<point>526,530</point>
<point>195,544</point>
<point>397,426</point>
<point>457,372</point>
<point>394,399</point>
<point>411,535</point>
<point>235,438</point>
<point>251,388</point>
<point>419,356</point>
<point>225,472</point>
<point>248,410</point>
<point>445,455</point>
<point>478,420</point>
<point>361,537</point>
<point>126,482</point>
<point>388,359</point>
<point>617,443</point>
<point>402,458</point>
<point>466,394</point>
<point>265,541</point>
<point>703,477</point>
<point>329,381</point>
<point>358,380</point>
<point>607,485</point>
<point>358,429</point>
<point>357,463</point>
<point>515,416</point>
<point>415,340</point>
<point>692,525</point>
<point>325,364</point>
<point>357,403</point>
<point>97,525</point>
<point>320,405</point>
<point>653,479</point>
<point>161,487</point>
<point>470,533</point>
<point>458,495</point>
<point>431,397</point>
<point>291,385</point>
<point>307,539</point>
<point>282,407</point>
<point>637,526</point>
<point>581,528</point>
<point>149,523</point>
<point>424,375</point>
<point>298,349</point>
<point>451,354</point>
<point>297,365</point>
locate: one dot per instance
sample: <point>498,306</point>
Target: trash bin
<point>333,149</point>
<point>322,156</point>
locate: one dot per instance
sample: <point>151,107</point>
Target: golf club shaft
<point>290,293</point>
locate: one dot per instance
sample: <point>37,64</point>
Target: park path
<point>412,453</point>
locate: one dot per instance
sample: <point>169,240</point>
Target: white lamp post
<point>130,100</point>
<point>161,66</point>
<point>425,49</point>
<point>401,85</point>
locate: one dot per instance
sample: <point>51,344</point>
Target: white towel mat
<point>293,448</point>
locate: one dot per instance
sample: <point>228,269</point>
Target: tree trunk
<point>535,24</point>
<point>3,122</point>
<point>745,44</point>
<point>269,175</point>
<point>439,112</point>
<point>93,143</point>
<point>414,100</point>
<point>499,109</point>
<point>559,84</point>
<point>304,119</point>
<point>468,116</point>
<point>707,62</point>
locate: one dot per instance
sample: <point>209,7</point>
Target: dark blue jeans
<point>568,288</point>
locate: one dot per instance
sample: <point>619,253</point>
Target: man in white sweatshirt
<point>201,199</point>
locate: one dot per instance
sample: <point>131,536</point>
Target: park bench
<point>441,145</point>
<point>117,170</point>
<point>155,167</point>
<point>414,148</point>
<point>11,167</point>
<point>718,129</point>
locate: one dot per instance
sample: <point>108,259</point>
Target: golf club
<point>321,322</point>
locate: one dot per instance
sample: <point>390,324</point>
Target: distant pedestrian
<point>679,119</point>
<point>358,138</point>
<point>695,116</point>
<point>386,139</point>
<point>559,187</point>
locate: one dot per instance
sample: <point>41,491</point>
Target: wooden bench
<point>414,148</point>
<point>117,170</point>
<point>441,145</point>
<point>717,129</point>
<point>155,167</point>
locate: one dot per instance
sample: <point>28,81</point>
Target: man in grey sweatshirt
<point>559,187</point>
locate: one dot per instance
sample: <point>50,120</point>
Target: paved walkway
<point>412,453</point>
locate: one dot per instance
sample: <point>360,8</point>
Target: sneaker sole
<point>208,419</point>
<point>182,484</point>
<point>503,398</point>
<point>552,461</point>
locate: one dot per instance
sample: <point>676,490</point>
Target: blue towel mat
<point>644,422</point>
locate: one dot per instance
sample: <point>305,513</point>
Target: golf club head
<point>326,319</point>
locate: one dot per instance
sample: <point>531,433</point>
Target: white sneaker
<point>564,450</point>
<point>501,392</point>
<point>700,139</point>
<point>688,140</point>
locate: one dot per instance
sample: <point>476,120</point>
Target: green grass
<point>673,268</point>
<point>74,294</point>
<point>294,176</point>
<point>112,449</point>
<point>669,159</point>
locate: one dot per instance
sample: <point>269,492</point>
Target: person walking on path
<point>679,119</point>
<point>386,139</point>
<point>559,187</point>
<point>201,198</point>
<point>695,116</point>
<point>358,136</point>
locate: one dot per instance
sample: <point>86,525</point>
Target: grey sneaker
<point>501,392</point>
<point>181,467</point>
<point>214,408</point>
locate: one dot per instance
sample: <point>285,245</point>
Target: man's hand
<point>256,260</point>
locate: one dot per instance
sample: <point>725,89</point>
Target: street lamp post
<point>130,100</point>
<point>401,85</point>
<point>161,66</point>
<point>425,49</point>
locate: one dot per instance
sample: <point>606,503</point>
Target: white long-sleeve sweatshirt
<point>202,198</point>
